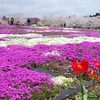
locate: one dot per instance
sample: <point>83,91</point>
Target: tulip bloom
<point>98,78</point>
<point>97,63</point>
<point>92,74</point>
<point>80,68</point>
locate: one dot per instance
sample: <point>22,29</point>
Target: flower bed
<point>8,29</point>
<point>11,29</point>
<point>18,82</point>
<point>24,84</point>
<point>30,40</point>
<point>22,56</point>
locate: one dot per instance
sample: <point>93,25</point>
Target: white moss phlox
<point>30,39</point>
<point>61,80</point>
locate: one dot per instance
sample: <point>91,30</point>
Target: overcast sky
<point>40,8</point>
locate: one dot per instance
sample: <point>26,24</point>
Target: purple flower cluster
<point>21,84</point>
<point>2,39</point>
<point>9,29</point>
<point>12,57</point>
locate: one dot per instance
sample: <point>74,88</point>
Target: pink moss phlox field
<point>12,29</point>
<point>2,39</point>
<point>61,31</point>
<point>74,34</point>
<point>14,56</point>
<point>20,84</point>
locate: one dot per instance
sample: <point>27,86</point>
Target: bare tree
<point>19,18</point>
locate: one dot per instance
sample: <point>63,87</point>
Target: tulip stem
<point>81,81</point>
<point>94,90</point>
<point>94,85</point>
<point>83,89</point>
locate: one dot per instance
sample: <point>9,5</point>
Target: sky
<point>40,8</point>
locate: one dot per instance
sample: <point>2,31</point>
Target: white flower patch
<point>53,52</point>
<point>28,40</point>
<point>62,80</point>
<point>19,35</point>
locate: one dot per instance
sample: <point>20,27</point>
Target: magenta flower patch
<point>21,84</point>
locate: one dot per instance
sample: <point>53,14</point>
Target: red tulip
<point>98,78</point>
<point>97,63</point>
<point>80,68</point>
<point>92,74</point>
